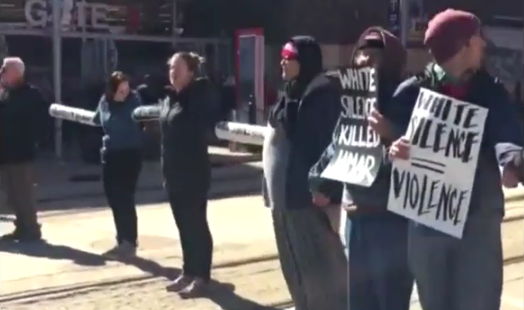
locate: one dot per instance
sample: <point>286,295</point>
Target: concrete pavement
<point>69,273</point>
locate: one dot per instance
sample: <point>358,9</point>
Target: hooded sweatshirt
<point>502,127</point>
<point>300,128</point>
<point>371,199</point>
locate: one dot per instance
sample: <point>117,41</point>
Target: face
<point>290,68</point>
<point>474,52</point>
<point>368,56</point>
<point>179,74</point>
<point>122,91</point>
<point>9,75</point>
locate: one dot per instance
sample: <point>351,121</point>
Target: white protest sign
<point>358,150</point>
<point>434,186</point>
<point>72,114</point>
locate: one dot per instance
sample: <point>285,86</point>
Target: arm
<point>324,115</point>
<point>98,111</point>
<point>504,132</point>
<point>399,108</point>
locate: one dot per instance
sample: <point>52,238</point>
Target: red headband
<point>289,51</point>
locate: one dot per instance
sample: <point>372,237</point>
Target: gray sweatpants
<point>453,274</point>
<point>17,182</point>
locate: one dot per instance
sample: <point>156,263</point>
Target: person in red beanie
<point>464,273</point>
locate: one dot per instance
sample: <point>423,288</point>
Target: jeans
<point>459,274</point>
<point>120,172</point>
<point>379,278</point>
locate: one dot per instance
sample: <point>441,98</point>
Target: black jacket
<point>20,112</point>
<point>185,121</point>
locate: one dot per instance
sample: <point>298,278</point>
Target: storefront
<point>69,43</point>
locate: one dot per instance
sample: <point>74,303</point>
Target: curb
<point>224,174</point>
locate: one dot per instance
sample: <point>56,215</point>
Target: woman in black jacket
<point>185,120</point>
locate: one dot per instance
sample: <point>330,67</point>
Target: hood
<point>307,52</point>
<point>309,55</point>
<point>394,56</point>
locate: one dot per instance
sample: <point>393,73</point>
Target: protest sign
<point>434,186</point>
<point>358,151</point>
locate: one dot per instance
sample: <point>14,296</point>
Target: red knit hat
<point>448,32</point>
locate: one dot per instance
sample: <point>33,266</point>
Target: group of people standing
<point>185,118</point>
<point>387,253</point>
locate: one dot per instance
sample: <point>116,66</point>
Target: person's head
<point>455,40</point>
<point>183,67</point>
<point>301,59</point>
<point>117,87</point>
<point>12,72</point>
<point>379,47</point>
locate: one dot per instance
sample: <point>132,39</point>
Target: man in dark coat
<point>19,129</point>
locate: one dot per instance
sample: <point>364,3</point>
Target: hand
<point>509,178</point>
<point>400,149</point>
<point>379,123</point>
<point>321,200</point>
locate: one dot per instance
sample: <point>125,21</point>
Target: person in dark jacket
<point>379,277</point>
<point>19,130</point>
<point>300,128</point>
<point>465,273</point>
<point>121,156</point>
<point>185,119</point>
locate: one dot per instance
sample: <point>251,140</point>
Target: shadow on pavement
<point>52,251</point>
<point>222,294</point>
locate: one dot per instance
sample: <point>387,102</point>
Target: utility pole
<point>404,21</point>
<point>57,70</point>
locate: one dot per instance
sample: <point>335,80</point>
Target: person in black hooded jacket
<point>379,277</point>
<point>185,119</point>
<point>300,128</point>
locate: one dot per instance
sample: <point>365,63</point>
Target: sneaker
<point>197,288</point>
<point>179,284</point>
<point>122,250</point>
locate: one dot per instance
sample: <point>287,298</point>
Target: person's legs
<point>287,258</point>
<point>131,164</point>
<point>20,195</point>
<point>478,264</point>
<point>387,240</point>
<point>320,260</point>
<point>190,214</point>
<point>112,182</point>
<point>361,293</point>
<point>429,258</point>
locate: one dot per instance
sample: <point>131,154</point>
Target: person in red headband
<point>300,128</point>
<point>464,273</point>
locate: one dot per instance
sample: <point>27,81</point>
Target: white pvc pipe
<point>71,114</point>
<point>241,133</point>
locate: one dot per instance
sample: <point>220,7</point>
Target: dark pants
<point>120,172</point>
<point>17,182</point>
<point>190,212</point>
<point>379,277</point>
<point>459,274</point>
<point>312,259</point>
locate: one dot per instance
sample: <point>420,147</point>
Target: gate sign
<point>434,186</point>
<point>358,150</point>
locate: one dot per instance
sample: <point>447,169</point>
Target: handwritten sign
<point>358,151</point>
<point>434,186</point>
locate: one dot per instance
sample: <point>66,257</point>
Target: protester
<point>185,121</point>
<point>300,128</point>
<point>19,132</point>
<point>466,273</point>
<point>379,278</point>
<point>121,156</point>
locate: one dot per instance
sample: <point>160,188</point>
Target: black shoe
<point>19,235</point>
